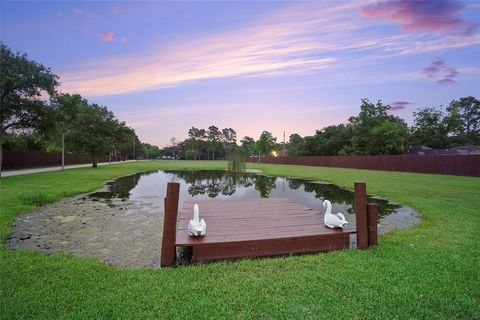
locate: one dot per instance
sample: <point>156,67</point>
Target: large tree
<point>213,138</point>
<point>125,142</point>
<point>430,128</point>
<point>375,132</point>
<point>96,132</point>
<point>295,145</point>
<point>229,140</point>
<point>333,140</point>
<point>464,120</point>
<point>24,88</point>
<point>248,145</point>
<point>265,144</point>
<point>196,139</point>
<point>64,117</point>
<point>150,151</point>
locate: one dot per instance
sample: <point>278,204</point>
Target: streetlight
<point>133,152</point>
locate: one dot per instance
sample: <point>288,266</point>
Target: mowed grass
<point>430,271</point>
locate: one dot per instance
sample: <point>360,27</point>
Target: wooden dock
<point>257,228</point>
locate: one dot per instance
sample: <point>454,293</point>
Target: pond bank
<point>122,223</point>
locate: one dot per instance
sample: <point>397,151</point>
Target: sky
<point>289,66</point>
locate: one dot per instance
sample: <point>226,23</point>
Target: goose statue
<point>333,220</point>
<point>197,227</point>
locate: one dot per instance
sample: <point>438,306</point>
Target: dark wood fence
<point>32,159</point>
<point>459,165</point>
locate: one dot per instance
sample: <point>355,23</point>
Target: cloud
<point>399,105</point>
<point>107,36</point>
<point>327,38</point>
<point>447,81</point>
<point>441,16</point>
<point>123,39</point>
<point>439,70</point>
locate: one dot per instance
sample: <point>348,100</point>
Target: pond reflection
<point>149,188</point>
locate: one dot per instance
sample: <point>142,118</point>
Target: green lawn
<point>430,271</point>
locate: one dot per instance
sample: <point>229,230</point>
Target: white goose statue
<point>333,220</point>
<point>197,227</point>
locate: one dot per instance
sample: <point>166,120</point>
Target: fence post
<point>372,216</point>
<point>170,224</point>
<point>361,214</point>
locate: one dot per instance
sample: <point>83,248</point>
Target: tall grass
<point>237,162</point>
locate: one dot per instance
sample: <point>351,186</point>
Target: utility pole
<point>63,150</point>
<point>284,153</point>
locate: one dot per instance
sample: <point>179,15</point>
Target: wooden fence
<point>32,159</point>
<point>459,165</point>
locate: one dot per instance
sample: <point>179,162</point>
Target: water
<point>148,190</point>
<point>122,223</point>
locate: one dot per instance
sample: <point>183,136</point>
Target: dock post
<point>372,216</point>
<point>170,225</point>
<point>361,214</point>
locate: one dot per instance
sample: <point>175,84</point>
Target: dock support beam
<point>170,225</point>
<point>361,214</point>
<point>372,216</point>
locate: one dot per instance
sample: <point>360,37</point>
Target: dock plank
<point>240,228</point>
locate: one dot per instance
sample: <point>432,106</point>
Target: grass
<point>430,271</point>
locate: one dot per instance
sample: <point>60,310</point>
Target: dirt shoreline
<point>120,232</point>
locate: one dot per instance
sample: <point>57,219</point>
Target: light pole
<point>133,152</point>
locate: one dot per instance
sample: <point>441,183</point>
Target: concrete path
<point>48,169</point>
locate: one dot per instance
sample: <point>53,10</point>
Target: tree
<point>65,116</point>
<point>229,140</point>
<point>333,139</point>
<point>464,120</point>
<point>430,128</point>
<point>295,145</point>
<point>150,151</point>
<point>124,141</point>
<point>196,139</point>
<point>265,144</point>
<point>22,84</point>
<point>375,132</point>
<point>213,138</point>
<point>96,132</point>
<point>248,145</point>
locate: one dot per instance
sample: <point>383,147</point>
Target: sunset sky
<point>164,67</point>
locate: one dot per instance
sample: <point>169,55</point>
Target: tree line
<point>216,144</point>
<point>34,116</point>
<point>376,132</point>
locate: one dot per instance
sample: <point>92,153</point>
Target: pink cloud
<point>422,16</point>
<point>107,36</point>
<point>123,39</point>
<point>440,70</point>
<point>282,43</point>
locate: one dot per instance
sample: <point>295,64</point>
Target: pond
<point>122,223</point>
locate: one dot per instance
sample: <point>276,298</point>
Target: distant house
<point>423,150</point>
